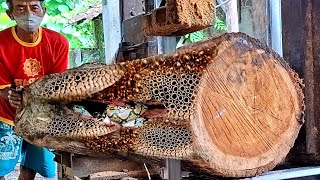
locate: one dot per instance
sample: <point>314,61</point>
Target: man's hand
<point>12,95</point>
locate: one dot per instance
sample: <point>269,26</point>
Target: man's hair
<point>10,6</point>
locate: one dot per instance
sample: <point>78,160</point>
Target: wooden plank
<point>179,17</point>
<point>85,166</point>
<point>99,33</point>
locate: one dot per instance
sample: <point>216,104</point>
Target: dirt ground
<point>15,174</point>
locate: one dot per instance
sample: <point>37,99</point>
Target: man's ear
<point>9,13</point>
<point>44,10</point>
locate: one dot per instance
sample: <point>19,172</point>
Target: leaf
<point>55,27</point>
<point>68,30</point>
<point>66,15</point>
<point>4,19</point>
<point>70,4</point>
<point>76,34</point>
<point>197,36</point>
<point>4,5</point>
<point>220,25</point>
<point>63,8</point>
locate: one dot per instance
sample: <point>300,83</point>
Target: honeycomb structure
<point>176,91</point>
<point>163,138</point>
<point>171,80</point>
<point>76,84</point>
<point>77,126</point>
<point>159,137</point>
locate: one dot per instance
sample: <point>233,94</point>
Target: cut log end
<point>248,109</point>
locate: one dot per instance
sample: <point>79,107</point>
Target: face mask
<point>28,22</point>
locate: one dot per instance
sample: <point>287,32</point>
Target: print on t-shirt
<point>32,67</point>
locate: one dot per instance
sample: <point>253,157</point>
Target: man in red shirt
<point>27,52</point>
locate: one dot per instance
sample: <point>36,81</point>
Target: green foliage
<point>219,25</point>
<point>59,12</point>
<point>196,36</point>
<point>201,35</point>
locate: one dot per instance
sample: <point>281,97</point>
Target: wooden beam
<point>179,17</point>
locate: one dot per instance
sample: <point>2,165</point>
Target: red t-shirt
<point>22,63</point>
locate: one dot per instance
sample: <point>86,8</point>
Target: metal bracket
<point>65,165</point>
<point>131,52</point>
<point>172,171</point>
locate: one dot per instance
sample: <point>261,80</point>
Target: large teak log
<point>233,107</point>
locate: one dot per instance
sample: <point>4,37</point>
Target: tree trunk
<point>233,107</point>
<point>243,108</point>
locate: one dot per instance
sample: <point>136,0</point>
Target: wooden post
<point>232,17</point>
<point>260,20</point>
<point>311,70</point>
<point>98,29</point>
<point>301,50</point>
<point>112,28</point>
<point>293,35</point>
